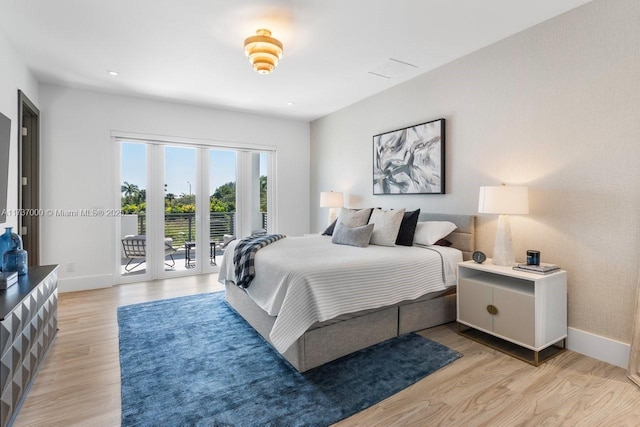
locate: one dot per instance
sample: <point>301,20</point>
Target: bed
<point>308,336</point>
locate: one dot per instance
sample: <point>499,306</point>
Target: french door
<point>182,203</point>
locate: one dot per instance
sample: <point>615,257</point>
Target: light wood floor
<point>79,384</point>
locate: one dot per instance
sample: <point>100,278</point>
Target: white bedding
<point>304,280</point>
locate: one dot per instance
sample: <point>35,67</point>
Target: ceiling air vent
<point>391,68</point>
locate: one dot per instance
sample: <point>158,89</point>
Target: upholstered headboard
<point>463,237</point>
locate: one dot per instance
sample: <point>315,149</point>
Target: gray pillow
<point>352,236</point>
<point>354,217</point>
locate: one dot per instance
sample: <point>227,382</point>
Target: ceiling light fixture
<point>263,51</point>
<point>112,73</point>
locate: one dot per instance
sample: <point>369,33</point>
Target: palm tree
<point>129,189</point>
<point>263,193</point>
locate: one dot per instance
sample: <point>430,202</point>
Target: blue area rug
<point>194,361</point>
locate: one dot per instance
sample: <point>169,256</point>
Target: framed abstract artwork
<point>410,160</point>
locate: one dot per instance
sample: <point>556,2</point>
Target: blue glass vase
<point>15,260</point>
<point>9,241</point>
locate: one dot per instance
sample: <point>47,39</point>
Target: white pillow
<point>429,232</point>
<point>386,225</point>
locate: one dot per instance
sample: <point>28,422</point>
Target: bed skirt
<point>327,341</point>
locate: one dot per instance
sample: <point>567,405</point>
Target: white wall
<point>557,108</point>
<point>14,76</point>
<point>78,168</point>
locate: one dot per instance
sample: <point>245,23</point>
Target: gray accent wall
<point>556,108</point>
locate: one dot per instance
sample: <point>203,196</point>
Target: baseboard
<point>86,283</point>
<point>601,348</point>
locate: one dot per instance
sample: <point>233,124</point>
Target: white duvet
<point>304,280</point>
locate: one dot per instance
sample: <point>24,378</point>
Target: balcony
<point>181,229</point>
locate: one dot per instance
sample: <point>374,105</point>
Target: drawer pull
<point>492,309</point>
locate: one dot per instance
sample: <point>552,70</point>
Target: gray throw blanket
<point>245,253</point>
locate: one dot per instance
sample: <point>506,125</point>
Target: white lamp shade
<point>331,199</point>
<point>504,200</point>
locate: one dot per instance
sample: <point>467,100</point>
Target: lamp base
<point>503,248</point>
<point>332,215</point>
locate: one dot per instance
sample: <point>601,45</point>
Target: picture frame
<point>410,160</point>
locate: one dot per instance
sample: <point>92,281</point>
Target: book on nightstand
<point>8,279</point>
<point>543,268</point>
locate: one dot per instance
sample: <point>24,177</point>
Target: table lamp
<point>504,201</point>
<point>331,200</point>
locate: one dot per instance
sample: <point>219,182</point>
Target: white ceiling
<point>191,51</point>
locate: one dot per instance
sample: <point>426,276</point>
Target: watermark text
<point>97,213</point>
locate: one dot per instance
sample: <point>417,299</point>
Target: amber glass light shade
<point>263,51</point>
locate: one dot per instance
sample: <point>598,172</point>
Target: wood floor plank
<point>79,383</point>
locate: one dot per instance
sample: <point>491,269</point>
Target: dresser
<point>28,325</point>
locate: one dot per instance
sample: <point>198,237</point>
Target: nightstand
<point>519,313</point>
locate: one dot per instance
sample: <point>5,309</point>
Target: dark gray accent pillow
<point>356,236</point>
<point>330,228</point>
<point>443,242</point>
<point>408,228</point>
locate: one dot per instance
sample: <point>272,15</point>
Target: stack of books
<point>543,268</point>
<point>8,279</point>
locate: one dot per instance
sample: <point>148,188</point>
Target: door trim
<point>26,108</point>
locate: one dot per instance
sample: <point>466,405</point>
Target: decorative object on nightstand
<point>541,268</point>
<point>519,313</point>
<point>533,257</point>
<point>331,200</point>
<point>504,201</point>
<point>479,257</point>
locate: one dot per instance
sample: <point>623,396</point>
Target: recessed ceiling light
<point>112,73</point>
<point>291,103</point>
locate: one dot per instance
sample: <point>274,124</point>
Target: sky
<point>180,165</point>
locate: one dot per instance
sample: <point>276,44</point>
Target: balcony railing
<point>181,227</point>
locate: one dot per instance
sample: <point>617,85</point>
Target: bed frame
<point>327,341</point>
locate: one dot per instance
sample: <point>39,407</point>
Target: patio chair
<point>135,249</point>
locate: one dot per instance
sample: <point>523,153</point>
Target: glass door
<point>222,203</point>
<point>183,204</point>
<point>180,187</point>
<point>132,239</point>
<point>265,193</point>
